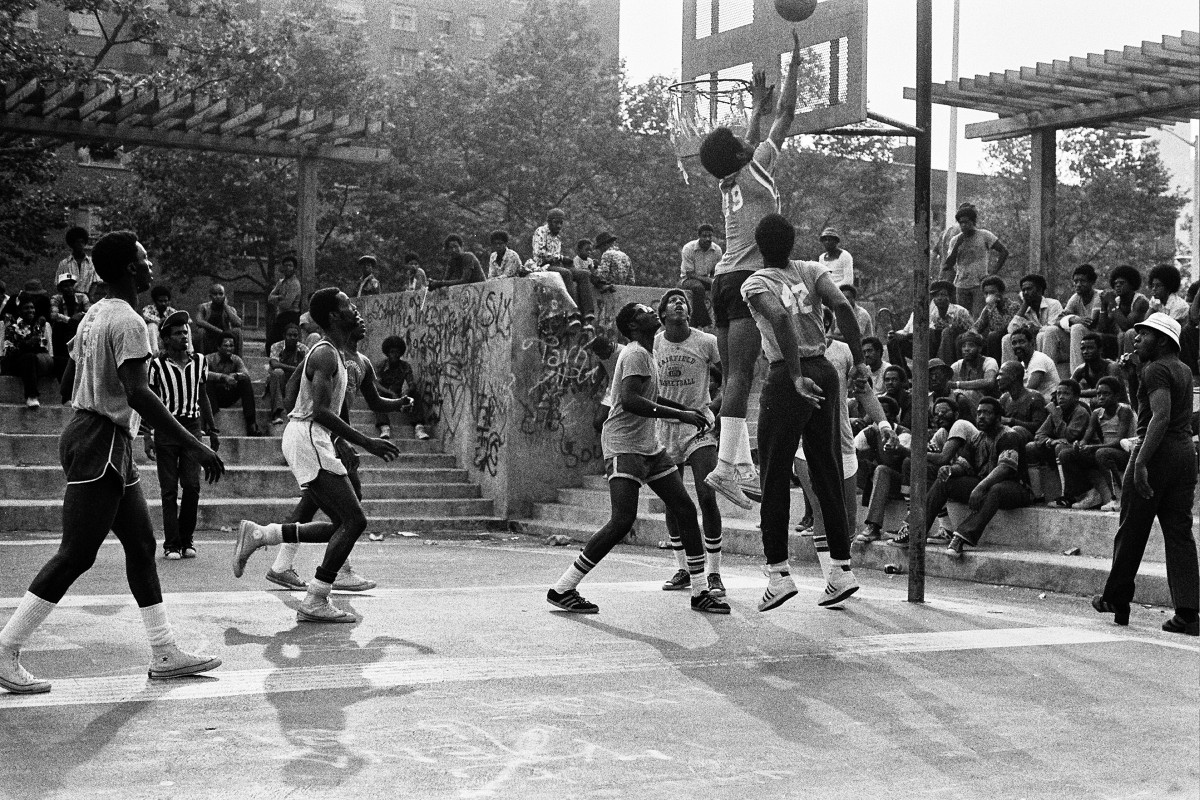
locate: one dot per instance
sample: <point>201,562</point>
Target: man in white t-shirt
<point>698,260</point>
<point>110,395</point>
<point>686,358</point>
<point>834,258</point>
<point>1041,374</point>
<point>746,171</point>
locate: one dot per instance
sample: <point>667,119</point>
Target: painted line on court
<point>433,671</point>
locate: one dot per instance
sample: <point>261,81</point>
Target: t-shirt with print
<point>683,369</point>
<point>1174,376</point>
<point>747,196</point>
<point>796,288</point>
<point>110,334</point>
<point>971,260</point>
<point>624,431</point>
<point>1040,362</point>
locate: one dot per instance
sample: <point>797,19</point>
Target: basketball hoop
<point>698,107</point>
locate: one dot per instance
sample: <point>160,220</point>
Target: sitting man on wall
<point>698,259</point>
<point>1024,410</point>
<point>229,382</point>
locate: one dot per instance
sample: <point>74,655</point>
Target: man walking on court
<point>634,457</point>
<point>110,396</point>
<point>746,171</point>
<point>685,358</point>
<point>309,450</point>
<point>800,398</point>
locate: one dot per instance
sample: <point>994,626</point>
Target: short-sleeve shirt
<point>683,369</point>
<point>971,261</point>
<point>961,429</point>
<point>111,333</point>
<point>1174,376</point>
<point>796,288</point>
<point>624,431</point>
<point>747,196</point>
<point>965,371</point>
<point>1176,308</point>
<point>293,359</point>
<point>700,263</point>
<point>1006,448</point>
<point>1040,362</point>
<point>841,269</point>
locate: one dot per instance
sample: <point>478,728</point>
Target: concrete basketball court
<point>460,682</point>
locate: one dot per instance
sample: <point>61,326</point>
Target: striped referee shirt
<point>178,386</point>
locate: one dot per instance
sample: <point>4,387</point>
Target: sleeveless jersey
<point>303,410</point>
<point>747,196</point>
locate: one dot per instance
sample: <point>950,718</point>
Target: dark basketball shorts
<point>727,301</point>
<point>92,443</point>
<point>637,467</point>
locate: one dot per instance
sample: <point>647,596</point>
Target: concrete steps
<point>1021,548</point>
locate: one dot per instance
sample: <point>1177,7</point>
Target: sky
<point>995,35</point>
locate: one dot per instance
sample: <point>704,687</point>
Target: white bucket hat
<point>1162,323</point>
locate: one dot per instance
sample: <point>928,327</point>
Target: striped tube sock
<point>285,559</point>
<point>712,554</point>
<point>822,545</point>
<point>31,612</point>
<point>677,548</point>
<point>574,574</point>
<point>158,627</point>
<point>695,568</point>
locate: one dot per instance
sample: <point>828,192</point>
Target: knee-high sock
<point>31,612</point>
<point>574,574</point>
<point>158,627</point>
<point>695,568</point>
<point>677,549</point>
<point>733,430</point>
<point>712,554</point>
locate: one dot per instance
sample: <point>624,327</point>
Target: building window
<point>478,26</point>
<point>404,60</point>
<point>352,11</point>
<point>445,24</point>
<point>85,23</point>
<point>404,18</point>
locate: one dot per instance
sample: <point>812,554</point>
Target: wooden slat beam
<point>98,102</point>
<point>133,105</point>
<point>168,114</point>
<point>284,117</point>
<point>16,93</point>
<point>139,135</point>
<point>319,123</point>
<point>204,112</point>
<point>59,96</point>
<point>1146,104</point>
<point>242,118</point>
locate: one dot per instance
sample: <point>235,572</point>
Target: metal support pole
<point>920,292</point>
<point>306,226</point>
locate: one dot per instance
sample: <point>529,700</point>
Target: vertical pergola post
<point>1043,187</point>
<point>306,226</point>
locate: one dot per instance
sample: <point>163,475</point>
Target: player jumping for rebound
<point>745,169</point>
<point>107,373</point>
<point>685,357</point>
<point>633,456</point>
<point>309,450</point>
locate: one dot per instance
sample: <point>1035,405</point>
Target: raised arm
<point>785,113</point>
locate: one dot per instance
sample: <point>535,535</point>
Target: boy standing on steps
<point>108,374</point>
<point>308,448</point>
<point>633,456</point>
<point>685,358</point>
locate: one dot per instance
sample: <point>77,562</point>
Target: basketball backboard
<point>725,41</point>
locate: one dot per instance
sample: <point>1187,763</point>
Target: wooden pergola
<point>1156,84</point>
<point>102,111</point>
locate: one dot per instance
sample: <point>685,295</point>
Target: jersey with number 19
<point>747,196</point>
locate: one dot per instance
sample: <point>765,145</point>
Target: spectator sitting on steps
<point>395,376</point>
<point>1024,411</point>
<point>26,351</point>
<point>216,319</point>
<point>1100,455</point>
<point>286,357</point>
<point>1062,429</point>
<point>229,382</point>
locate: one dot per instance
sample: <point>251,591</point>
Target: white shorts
<point>681,440</point>
<point>308,449</point>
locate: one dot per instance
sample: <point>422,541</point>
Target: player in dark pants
<point>800,399</point>
<point>108,374</point>
<point>633,456</point>
<point>1160,481</point>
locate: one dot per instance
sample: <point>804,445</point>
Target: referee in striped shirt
<point>177,376</point>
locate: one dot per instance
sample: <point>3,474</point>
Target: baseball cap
<point>830,233</point>
<point>63,277</point>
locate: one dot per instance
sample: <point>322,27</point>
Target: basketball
<point>795,10</point>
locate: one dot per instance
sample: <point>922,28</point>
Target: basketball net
<point>701,106</point>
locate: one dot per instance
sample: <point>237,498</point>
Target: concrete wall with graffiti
<point>515,396</point>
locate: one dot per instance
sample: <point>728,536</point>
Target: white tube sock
<point>31,612</point>
<point>158,627</point>
<point>732,429</point>
<point>285,558</point>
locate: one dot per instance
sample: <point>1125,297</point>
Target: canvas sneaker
<point>249,538</point>
<point>716,586</point>
<point>725,481</point>
<point>421,432</point>
<point>571,601</point>
<point>322,611</point>
<point>168,661</point>
<point>15,678</point>
<point>350,581</point>
<point>288,579</point>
